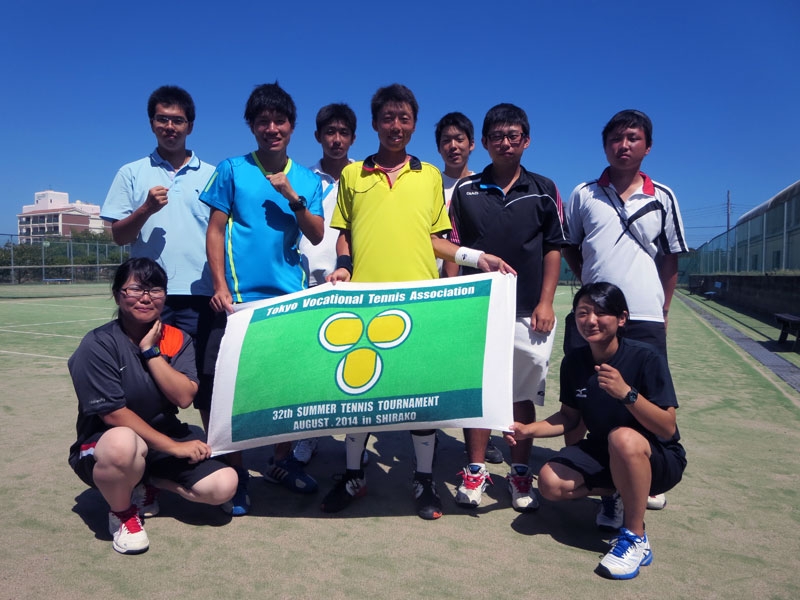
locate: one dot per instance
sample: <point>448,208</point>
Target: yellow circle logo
<point>360,369</point>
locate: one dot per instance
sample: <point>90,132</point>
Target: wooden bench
<point>789,324</point>
<point>49,280</point>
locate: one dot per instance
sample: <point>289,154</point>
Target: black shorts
<point>205,370</point>
<point>157,464</point>
<point>590,459</point>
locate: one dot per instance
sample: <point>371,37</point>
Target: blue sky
<point>719,79</point>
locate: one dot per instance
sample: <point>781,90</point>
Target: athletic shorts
<point>194,315</point>
<point>205,371</point>
<point>590,459</point>
<point>157,464</point>
<point>531,361</point>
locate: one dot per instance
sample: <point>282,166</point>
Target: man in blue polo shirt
<point>153,205</point>
<point>260,205</point>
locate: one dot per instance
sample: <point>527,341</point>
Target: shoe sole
<point>527,509</point>
<point>287,483</point>
<point>604,572</point>
<point>130,551</point>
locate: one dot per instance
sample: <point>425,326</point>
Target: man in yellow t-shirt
<point>391,214</point>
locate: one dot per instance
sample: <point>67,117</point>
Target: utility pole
<point>728,232</point>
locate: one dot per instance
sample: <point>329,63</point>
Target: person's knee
<point>217,488</point>
<point>551,485</point>
<point>119,447</point>
<point>627,442</point>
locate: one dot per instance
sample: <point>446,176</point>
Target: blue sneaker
<point>239,505</point>
<point>290,473</point>
<point>628,553</point>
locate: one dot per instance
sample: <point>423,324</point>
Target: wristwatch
<point>151,352</point>
<point>630,397</point>
<point>298,204</point>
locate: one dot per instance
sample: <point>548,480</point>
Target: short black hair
<point>458,120</point>
<point>606,296</point>
<point>171,95</point>
<point>144,270</point>
<point>336,112</point>
<point>270,96</point>
<point>630,119</point>
<point>396,93</point>
<point>506,114</point>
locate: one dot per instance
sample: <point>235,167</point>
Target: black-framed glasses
<point>137,291</point>
<point>513,137</point>
<point>164,119</point>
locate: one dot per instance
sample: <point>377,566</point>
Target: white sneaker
<point>130,537</point>
<point>470,492</point>
<point>628,553</point>
<point>656,502</point>
<point>611,513</point>
<point>304,450</point>
<point>523,496</point>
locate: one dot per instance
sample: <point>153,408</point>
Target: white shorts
<point>531,361</point>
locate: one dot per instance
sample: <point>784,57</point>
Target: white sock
<point>424,450</point>
<point>354,444</point>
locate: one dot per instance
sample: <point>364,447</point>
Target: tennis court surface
<point>731,529</point>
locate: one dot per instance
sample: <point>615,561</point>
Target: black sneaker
<point>429,505</point>
<point>352,485</point>
<point>493,454</point>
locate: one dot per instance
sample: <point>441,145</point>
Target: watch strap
<point>151,352</point>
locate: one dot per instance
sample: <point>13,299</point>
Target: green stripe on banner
<point>356,413</point>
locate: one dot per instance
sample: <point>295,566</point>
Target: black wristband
<point>345,261</point>
<point>298,205</point>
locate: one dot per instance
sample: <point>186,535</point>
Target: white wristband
<point>468,257</point>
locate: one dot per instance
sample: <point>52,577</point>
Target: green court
<point>731,528</point>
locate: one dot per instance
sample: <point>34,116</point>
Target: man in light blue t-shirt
<point>153,205</point>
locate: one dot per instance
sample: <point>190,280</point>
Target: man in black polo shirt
<point>515,214</point>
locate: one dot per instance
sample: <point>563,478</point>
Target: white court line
<point>62,306</point>
<point>36,355</point>
<point>53,323</point>
<point>76,337</point>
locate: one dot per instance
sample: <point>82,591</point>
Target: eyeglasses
<point>513,137</point>
<point>135,291</point>
<point>164,119</point>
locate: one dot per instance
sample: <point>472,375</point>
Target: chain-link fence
<point>765,240</point>
<point>55,260</point>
